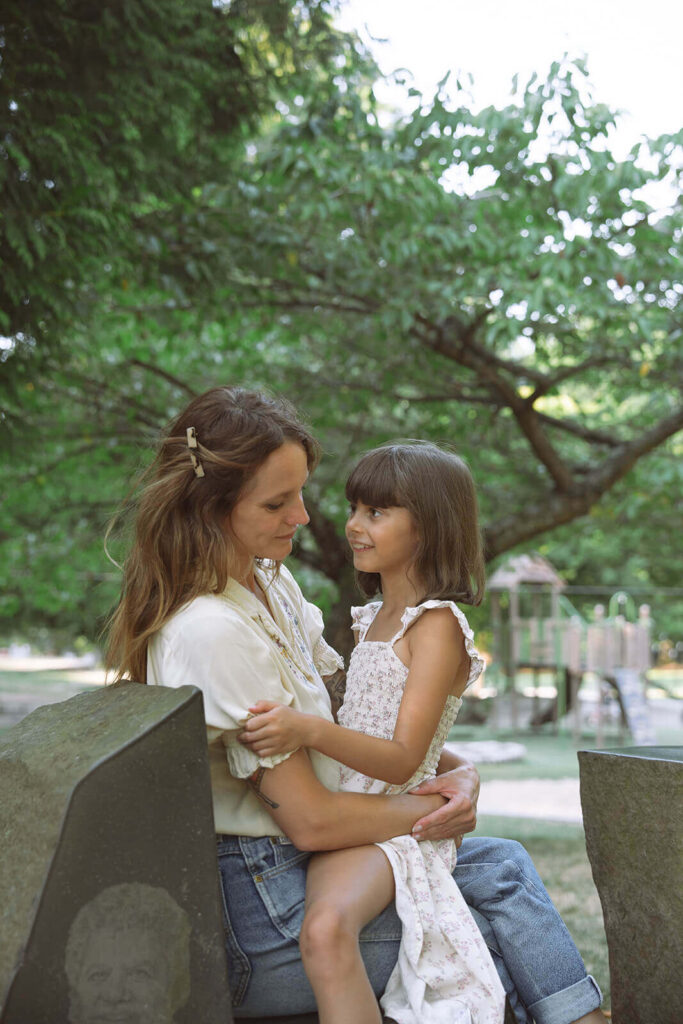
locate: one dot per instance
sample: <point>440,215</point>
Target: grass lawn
<point>547,757</point>
<point>47,681</point>
<point>559,853</point>
<point>21,692</point>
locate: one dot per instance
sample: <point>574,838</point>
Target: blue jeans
<point>264,881</point>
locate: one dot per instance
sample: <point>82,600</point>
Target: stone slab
<point>105,814</point>
<point>632,800</point>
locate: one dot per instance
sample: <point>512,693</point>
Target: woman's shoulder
<point>201,614</point>
<point>210,630</point>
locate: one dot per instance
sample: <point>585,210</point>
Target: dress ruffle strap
<point>412,614</point>
<point>362,616</point>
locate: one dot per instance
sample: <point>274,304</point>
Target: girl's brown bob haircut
<point>180,546</point>
<point>436,487</point>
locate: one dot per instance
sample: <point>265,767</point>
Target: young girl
<point>415,539</point>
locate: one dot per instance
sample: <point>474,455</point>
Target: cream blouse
<point>228,646</point>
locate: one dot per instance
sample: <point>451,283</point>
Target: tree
<point>365,272</point>
<point>111,111</point>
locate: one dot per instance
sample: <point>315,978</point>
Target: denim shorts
<point>263,882</point>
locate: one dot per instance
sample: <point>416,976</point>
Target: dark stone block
<point>632,800</point>
<point>108,838</point>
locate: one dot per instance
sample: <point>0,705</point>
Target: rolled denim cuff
<point>568,1004</point>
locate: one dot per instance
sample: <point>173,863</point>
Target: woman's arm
<point>458,782</point>
<point>316,819</point>
<point>436,652</point>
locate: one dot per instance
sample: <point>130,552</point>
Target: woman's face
<point>263,522</point>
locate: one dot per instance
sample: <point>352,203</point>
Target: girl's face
<point>383,540</point>
<point>263,522</point>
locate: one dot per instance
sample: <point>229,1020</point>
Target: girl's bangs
<point>373,481</point>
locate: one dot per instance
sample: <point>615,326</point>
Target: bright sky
<point>633,48</point>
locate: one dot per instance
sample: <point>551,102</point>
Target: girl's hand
<point>461,788</point>
<point>275,729</point>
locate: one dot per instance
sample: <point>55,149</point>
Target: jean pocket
<point>282,889</point>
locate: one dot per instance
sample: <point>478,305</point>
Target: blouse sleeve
<point>233,667</point>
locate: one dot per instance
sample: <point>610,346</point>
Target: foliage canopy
<point>110,110</point>
<point>364,270</point>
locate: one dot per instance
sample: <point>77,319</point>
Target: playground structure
<point>536,628</point>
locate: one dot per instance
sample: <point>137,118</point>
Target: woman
<point>206,601</point>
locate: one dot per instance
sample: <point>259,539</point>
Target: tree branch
<point>464,351</point>
<point>618,464</point>
<point>566,373</point>
<point>118,405</point>
<point>467,335</point>
<point>555,508</point>
<point>585,433</point>
<point>165,375</point>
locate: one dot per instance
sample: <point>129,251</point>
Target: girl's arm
<point>316,819</point>
<point>437,652</point>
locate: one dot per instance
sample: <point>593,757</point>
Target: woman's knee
<point>499,872</point>
<point>495,855</point>
<point>514,852</point>
<point>516,875</point>
<point>327,936</point>
<point>492,850</point>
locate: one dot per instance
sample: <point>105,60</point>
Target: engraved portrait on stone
<point>127,957</point>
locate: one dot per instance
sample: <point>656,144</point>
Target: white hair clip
<point>192,443</point>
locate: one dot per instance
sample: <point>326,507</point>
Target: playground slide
<point>630,687</point>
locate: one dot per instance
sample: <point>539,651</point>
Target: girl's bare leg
<point>344,890</point>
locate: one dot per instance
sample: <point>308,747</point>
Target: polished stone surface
<point>632,801</point>
<point>108,871</point>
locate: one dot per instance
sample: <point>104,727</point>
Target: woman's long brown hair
<point>180,547</point>
<point>436,487</point>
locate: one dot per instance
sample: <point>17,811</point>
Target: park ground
<point>533,798</point>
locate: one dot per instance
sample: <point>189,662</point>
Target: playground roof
<point>524,570</point>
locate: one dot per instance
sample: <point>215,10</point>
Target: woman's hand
<point>275,729</point>
<point>461,789</point>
